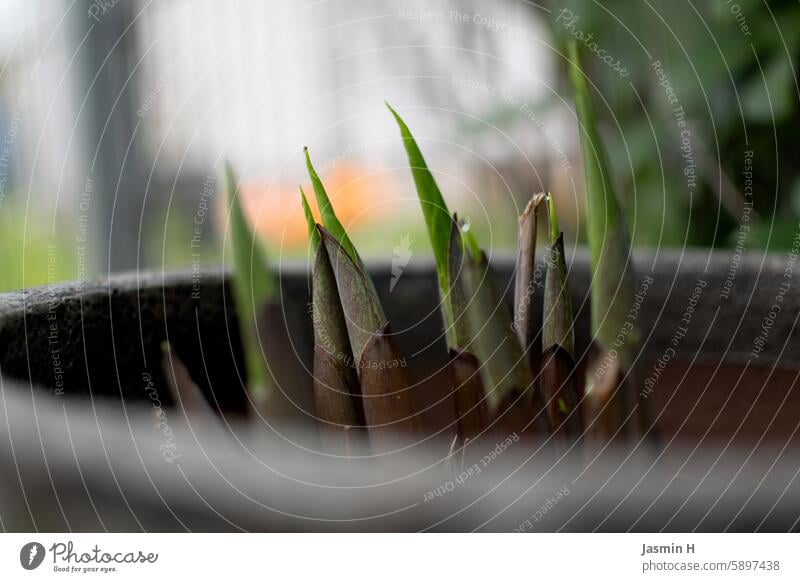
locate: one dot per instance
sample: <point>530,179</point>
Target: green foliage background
<point>739,92</point>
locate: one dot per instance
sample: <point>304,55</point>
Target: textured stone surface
<point>108,336</point>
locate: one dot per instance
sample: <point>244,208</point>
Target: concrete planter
<point>81,380</point>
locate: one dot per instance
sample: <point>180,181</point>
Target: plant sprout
<point>500,376</point>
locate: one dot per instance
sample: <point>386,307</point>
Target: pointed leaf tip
<point>255,285</point>
<point>329,218</point>
<point>557,326</point>
<point>551,208</point>
<point>310,221</point>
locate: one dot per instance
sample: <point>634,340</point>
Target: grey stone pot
<point>82,451</point>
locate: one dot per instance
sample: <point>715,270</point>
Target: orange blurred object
<point>277,215</point>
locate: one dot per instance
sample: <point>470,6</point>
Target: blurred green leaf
<point>255,286</point>
<point>612,281</point>
<point>312,225</point>
<point>771,97</point>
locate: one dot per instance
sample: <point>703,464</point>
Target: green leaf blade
<point>434,210</point>
<point>312,224</point>
<point>613,289</point>
<point>329,218</point>
<point>612,275</point>
<point>255,285</point>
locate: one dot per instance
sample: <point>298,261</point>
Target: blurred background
<point>116,117</point>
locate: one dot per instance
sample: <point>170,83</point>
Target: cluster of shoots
<point>507,371</point>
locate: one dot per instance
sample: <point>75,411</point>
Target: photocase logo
<point>31,555</point>
<point>401,254</point>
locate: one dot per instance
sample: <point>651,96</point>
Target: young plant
<point>478,327</point>
<point>337,396</point>
<point>443,231</point>
<point>558,382</point>
<point>360,380</point>
<point>255,286</point>
<point>505,371</point>
<point>438,221</point>
<point>612,397</point>
<point>468,388</point>
<point>363,311</point>
<point>272,369</point>
<point>525,283</point>
<point>389,410</point>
